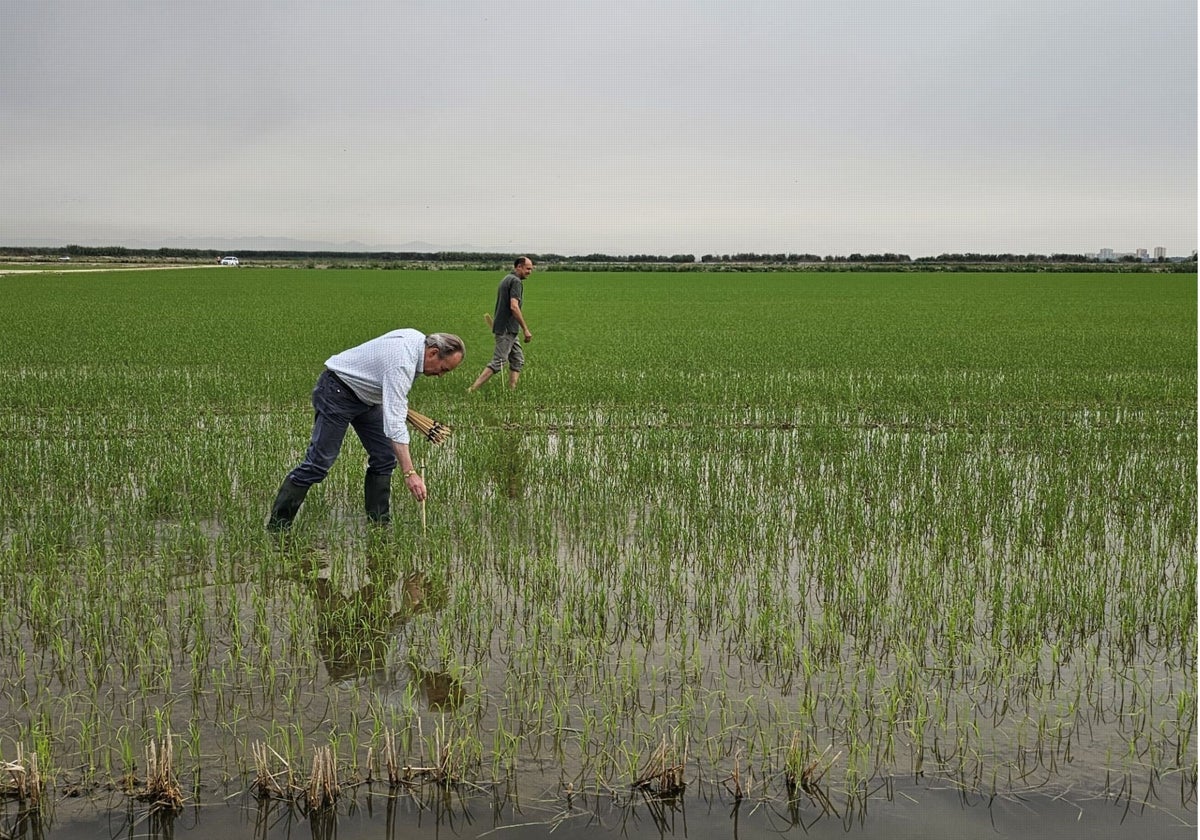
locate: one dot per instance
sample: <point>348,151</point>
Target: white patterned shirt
<point>381,372</point>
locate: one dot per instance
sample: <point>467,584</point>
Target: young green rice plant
<point>803,772</point>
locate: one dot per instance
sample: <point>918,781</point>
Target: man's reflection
<point>355,630</point>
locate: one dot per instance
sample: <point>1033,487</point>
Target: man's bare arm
<point>514,306</point>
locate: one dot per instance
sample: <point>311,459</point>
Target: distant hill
<point>259,243</point>
<point>233,244</point>
<point>281,243</point>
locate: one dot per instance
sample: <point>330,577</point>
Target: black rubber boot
<point>287,505</point>
<point>377,498</point>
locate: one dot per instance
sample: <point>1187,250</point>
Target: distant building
<point>1109,255</point>
<point>1160,253</point>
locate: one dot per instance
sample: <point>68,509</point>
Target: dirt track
<point>4,271</point>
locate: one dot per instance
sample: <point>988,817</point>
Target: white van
<point>229,261</point>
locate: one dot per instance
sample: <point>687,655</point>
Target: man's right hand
<point>416,486</point>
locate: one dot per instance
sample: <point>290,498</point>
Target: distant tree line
<point>746,261</point>
<point>793,259</point>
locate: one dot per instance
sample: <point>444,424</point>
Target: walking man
<point>505,322</point>
<point>367,387</point>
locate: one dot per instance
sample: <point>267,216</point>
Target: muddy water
<point>907,810</point>
<point>730,620</point>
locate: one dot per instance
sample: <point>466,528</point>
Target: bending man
<point>367,387</point>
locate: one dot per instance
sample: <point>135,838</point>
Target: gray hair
<point>447,344</point>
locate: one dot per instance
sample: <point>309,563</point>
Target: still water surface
<point>910,810</point>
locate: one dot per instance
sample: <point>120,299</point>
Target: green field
<point>793,535</point>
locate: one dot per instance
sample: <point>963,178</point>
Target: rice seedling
<point>267,783</point>
<point>22,778</point>
<point>323,788</point>
<point>161,789</point>
<point>663,772</point>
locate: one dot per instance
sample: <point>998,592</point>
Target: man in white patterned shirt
<point>366,387</point>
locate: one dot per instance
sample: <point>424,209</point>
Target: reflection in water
<point>442,691</point>
<point>162,823</point>
<point>323,824</point>
<point>355,631</point>
<point>28,823</point>
<point>507,463</point>
<point>906,808</point>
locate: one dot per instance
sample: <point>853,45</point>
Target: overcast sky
<point>809,126</point>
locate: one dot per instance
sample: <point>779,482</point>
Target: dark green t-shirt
<point>503,320</point>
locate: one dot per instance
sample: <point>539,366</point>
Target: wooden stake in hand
<point>434,431</point>
<point>424,535</point>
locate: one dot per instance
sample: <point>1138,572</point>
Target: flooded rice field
<point>876,602</point>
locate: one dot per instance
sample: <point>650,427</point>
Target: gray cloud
<point>665,126</point>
